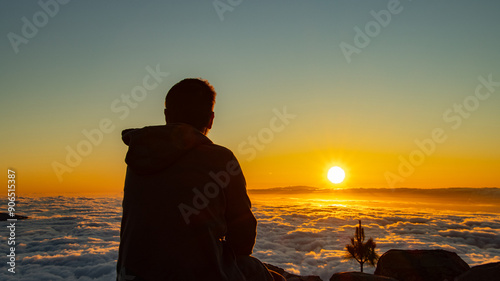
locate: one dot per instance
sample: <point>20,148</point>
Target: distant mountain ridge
<point>288,189</point>
<point>300,188</point>
<point>460,195</point>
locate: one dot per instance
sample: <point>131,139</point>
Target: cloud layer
<point>66,238</point>
<point>308,236</point>
<point>77,238</point>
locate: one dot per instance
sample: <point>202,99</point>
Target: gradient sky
<point>261,56</point>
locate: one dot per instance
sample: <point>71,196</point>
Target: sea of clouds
<point>77,238</point>
<point>308,237</point>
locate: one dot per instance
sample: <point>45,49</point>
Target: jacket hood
<point>154,148</point>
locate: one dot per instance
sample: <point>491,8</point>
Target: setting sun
<point>336,174</point>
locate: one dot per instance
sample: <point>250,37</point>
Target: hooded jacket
<point>186,212</point>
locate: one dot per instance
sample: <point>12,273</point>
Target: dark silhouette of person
<point>186,212</point>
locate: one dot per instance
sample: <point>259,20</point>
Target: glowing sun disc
<point>336,174</point>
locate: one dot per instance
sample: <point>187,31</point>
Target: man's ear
<point>211,121</point>
<point>165,113</point>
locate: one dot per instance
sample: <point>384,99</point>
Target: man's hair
<point>190,101</point>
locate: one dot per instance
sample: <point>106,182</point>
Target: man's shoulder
<point>219,149</point>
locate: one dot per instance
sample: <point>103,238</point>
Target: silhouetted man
<point>186,212</point>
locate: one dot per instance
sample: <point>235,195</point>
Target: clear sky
<point>302,86</point>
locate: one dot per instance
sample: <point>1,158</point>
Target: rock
<point>359,276</point>
<point>5,216</point>
<point>292,277</point>
<point>421,265</point>
<point>484,272</point>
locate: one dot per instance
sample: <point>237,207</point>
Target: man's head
<point>191,101</point>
